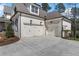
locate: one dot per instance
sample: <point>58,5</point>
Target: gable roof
<point>20,7</point>
<point>54,15</point>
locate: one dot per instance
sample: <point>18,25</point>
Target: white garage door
<point>31,30</point>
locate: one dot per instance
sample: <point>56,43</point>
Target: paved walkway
<point>41,46</point>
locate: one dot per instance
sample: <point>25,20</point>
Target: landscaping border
<point>9,41</point>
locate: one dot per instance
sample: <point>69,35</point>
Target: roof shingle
<point>52,15</point>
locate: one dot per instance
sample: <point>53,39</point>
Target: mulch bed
<point>8,41</point>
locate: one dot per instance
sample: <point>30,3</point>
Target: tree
<point>73,25</point>
<point>60,7</point>
<point>45,7</point>
<point>9,31</point>
<point>75,12</point>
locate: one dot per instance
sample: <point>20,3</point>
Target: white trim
<point>33,12</point>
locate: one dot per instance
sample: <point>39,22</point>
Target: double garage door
<point>29,31</point>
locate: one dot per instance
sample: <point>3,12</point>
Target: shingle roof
<point>22,8</point>
<point>52,15</point>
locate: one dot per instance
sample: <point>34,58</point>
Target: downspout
<point>45,24</point>
<point>15,12</point>
<point>62,27</point>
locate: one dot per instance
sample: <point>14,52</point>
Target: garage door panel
<point>29,31</point>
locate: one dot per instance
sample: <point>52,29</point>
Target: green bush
<point>9,31</point>
<point>77,35</point>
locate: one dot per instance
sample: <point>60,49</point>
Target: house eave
<point>68,20</point>
<point>27,14</point>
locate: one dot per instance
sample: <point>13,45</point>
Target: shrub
<point>77,34</point>
<point>9,31</point>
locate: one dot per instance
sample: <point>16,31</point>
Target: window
<point>34,9</point>
<point>30,22</point>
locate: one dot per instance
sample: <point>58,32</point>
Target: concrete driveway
<point>41,46</point>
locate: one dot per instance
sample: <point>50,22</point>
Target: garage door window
<point>51,22</point>
<point>30,22</point>
<point>40,23</point>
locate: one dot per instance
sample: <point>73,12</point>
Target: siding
<point>25,9</point>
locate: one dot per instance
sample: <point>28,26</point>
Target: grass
<point>72,38</point>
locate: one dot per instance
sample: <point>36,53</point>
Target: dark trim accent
<point>30,14</point>
<point>53,18</point>
<point>60,17</point>
<point>32,24</point>
<point>66,17</point>
<point>25,13</point>
<point>37,4</point>
<point>62,27</point>
<point>15,12</point>
<point>13,16</point>
<point>45,25</point>
<point>14,24</point>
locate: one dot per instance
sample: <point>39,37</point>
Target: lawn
<point>72,38</point>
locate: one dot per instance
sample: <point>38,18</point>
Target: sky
<point>1,7</point>
<point>52,5</point>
